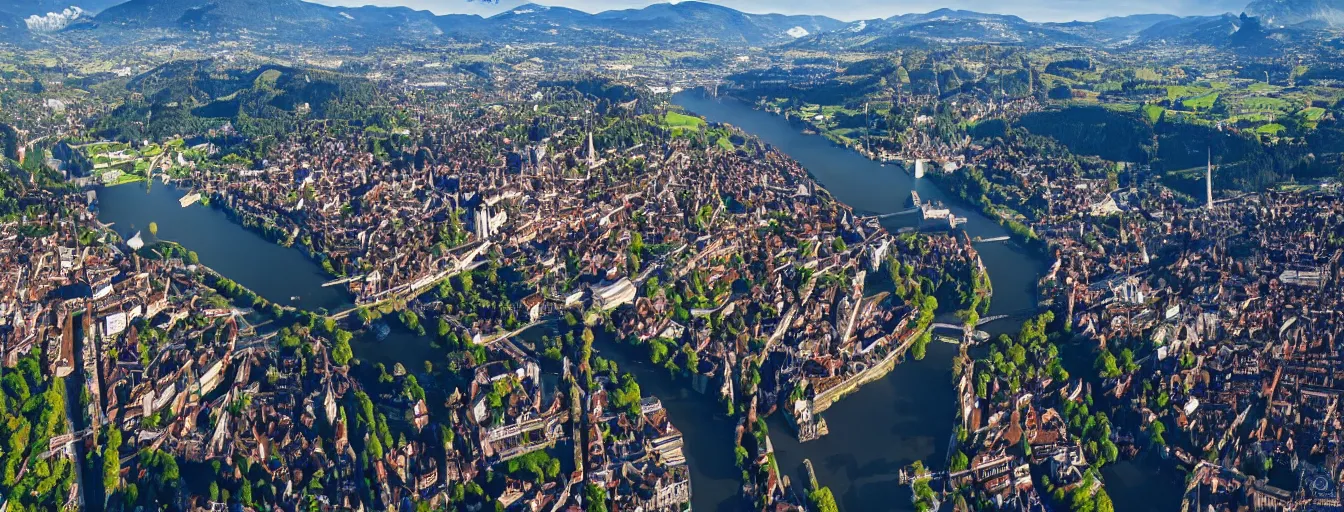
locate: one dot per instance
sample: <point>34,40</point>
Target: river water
<point>908,415</point>
<point>277,273</point>
<point>873,188</point>
<point>703,421</point>
<point>882,427</point>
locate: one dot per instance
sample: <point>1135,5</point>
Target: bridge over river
<point>976,335</point>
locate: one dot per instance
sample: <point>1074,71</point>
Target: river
<point>873,188</point>
<point>276,273</point>
<point>716,481</point>
<point>875,431</point>
<point>908,415</point>
<point>883,426</point>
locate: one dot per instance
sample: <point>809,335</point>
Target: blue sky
<point>1035,10</point>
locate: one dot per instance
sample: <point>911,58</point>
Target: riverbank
<point>271,232</point>
<point>876,188</point>
<point>282,275</point>
<point>1017,231</point>
<point>880,410</point>
<point>1020,233</point>
<point>907,414</point>
<point>829,397</point>
<point>251,223</point>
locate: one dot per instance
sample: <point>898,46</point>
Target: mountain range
<point>946,26</point>
<point>655,25</point>
<point>25,8</point>
<point>285,19</point>
<point>19,18</point>
<point>299,20</point>
<point>1282,13</point>
<point>940,26</point>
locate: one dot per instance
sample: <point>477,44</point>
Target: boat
<point>294,298</point>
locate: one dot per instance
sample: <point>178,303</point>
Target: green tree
<point>374,449</point>
<point>1018,355</point>
<point>1127,361</point>
<point>637,243</point>
<point>921,345</point>
<point>1106,365</point>
<point>959,461</point>
<point>1103,502</point>
<point>341,353</point>
<point>132,493</point>
<point>245,492</point>
<point>595,499</point>
<point>822,500</point>
<point>111,469</point>
<point>444,328</point>
<point>657,351</point>
<point>740,454</point>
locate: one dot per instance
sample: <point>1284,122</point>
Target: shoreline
<point>872,374</point>
<point>1038,246</point>
<point>214,201</point>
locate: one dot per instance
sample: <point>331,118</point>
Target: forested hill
<point>1172,148</point>
<point>190,98</point>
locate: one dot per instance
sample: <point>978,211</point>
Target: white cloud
<point>1035,10</point>
<point>53,21</point>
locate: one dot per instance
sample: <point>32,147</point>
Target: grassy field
<point>1201,102</point>
<point>1263,103</point>
<point>675,120</point>
<point>1254,117</point>
<point>1270,129</point>
<point>1109,87</point>
<point>127,178</point>
<point>831,110</point>
<point>104,147</point>
<point>1176,92</point>
<point>1261,88</point>
<point>726,144</point>
<point>1147,74</point>
<point>1312,113</point>
<point>1153,113</point>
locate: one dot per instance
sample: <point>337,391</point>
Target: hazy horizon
<point>851,10</point>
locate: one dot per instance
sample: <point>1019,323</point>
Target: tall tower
<point>1208,180</point>
<point>592,152</point>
